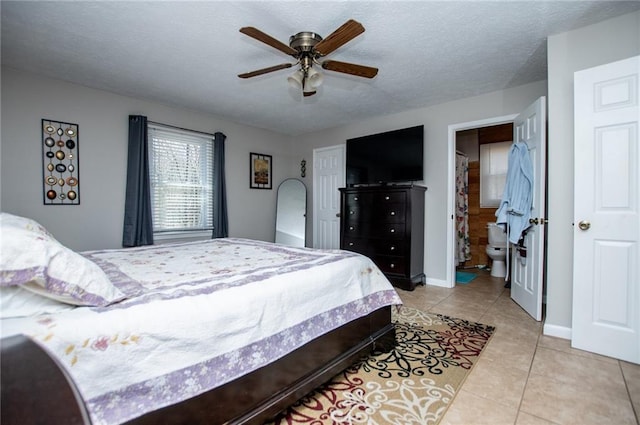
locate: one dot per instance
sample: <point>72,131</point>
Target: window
<point>181,178</point>
<point>494,160</point>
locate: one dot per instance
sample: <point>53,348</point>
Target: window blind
<point>181,178</point>
<point>494,160</point>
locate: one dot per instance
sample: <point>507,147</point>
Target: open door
<point>527,264</point>
<point>606,238</point>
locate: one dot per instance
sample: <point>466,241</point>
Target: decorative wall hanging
<point>60,163</point>
<point>260,171</point>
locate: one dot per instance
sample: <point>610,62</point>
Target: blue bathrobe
<point>517,199</point>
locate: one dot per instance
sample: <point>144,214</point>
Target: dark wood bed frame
<point>36,390</point>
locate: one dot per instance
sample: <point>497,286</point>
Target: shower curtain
<point>463,246</point>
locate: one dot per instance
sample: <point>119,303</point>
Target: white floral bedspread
<point>199,315</point>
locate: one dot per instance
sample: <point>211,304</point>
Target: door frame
<point>450,280</point>
<point>343,148</point>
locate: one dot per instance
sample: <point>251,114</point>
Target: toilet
<point>497,249</point>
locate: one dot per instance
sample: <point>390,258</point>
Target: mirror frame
<point>281,215</point>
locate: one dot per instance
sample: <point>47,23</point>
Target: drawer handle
<point>393,213</point>
<point>351,212</point>
<point>392,265</point>
<point>350,227</point>
<point>392,230</point>
<point>393,248</point>
<point>355,198</point>
<point>350,243</point>
<point>386,198</point>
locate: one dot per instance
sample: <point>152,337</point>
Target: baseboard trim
<point>557,331</point>
<point>437,282</point>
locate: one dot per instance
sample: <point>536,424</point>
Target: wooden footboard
<point>35,389</point>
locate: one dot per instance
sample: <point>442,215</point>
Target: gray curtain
<point>220,220</point>
<point>138,226</point>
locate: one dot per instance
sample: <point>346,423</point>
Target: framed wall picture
<point>60,163</point>
<point>260,171</point>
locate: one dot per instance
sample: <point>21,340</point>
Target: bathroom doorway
<point>452,231</point>
<point>527,274</point>
<point>481,169</point>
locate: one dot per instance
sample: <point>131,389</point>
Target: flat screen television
<point>386,158</point>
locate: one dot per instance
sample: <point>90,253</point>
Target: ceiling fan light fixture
<point>308,89</point>
<point>295,79</point>
<point>314,78</point>
<point>308,83</point>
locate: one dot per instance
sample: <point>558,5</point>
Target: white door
<point>606,256</point>
<point>328,176</point>
<point>527,271</point>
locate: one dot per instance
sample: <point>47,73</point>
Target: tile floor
<point>524,377</point>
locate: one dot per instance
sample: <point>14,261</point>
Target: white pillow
<point>31,257</point>
<point>17,302</point>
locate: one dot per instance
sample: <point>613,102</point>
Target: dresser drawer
<point>358,245</point>
<point>388,247</point>
<point>354,228</point>
<point>356,213</point>
<point>356,199</point>
<point>393,213</point>
<point>387,230</point>
<point>359,229</point>
<point>376,198</point>
<point>391,264</point>
<point>390,197</point>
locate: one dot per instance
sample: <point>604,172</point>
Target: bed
<point>221,331</point>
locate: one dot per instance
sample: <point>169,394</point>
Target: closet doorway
<point>481,169</point>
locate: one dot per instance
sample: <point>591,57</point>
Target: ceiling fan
<point>307,48</point>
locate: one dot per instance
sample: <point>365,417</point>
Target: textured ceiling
<point>188,54</point>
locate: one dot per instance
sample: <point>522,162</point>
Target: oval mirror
<point>291,213</point>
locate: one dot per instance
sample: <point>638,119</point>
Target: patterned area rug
<point>413,384</point>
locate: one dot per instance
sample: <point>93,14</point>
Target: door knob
<point>533,220</point>
<point>584,225</point>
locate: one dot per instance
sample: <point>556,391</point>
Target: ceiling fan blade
<point>265,70</point>
<point>348,31</point>
<point>350,68</point>
<point>267,39</point>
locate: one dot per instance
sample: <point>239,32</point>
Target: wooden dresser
<point>386,223</point>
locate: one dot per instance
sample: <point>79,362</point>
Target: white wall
<point>103,128</point>
<point>583,48</point>
<point>436,120</point>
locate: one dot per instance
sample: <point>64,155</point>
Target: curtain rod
<point>180,128</point>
